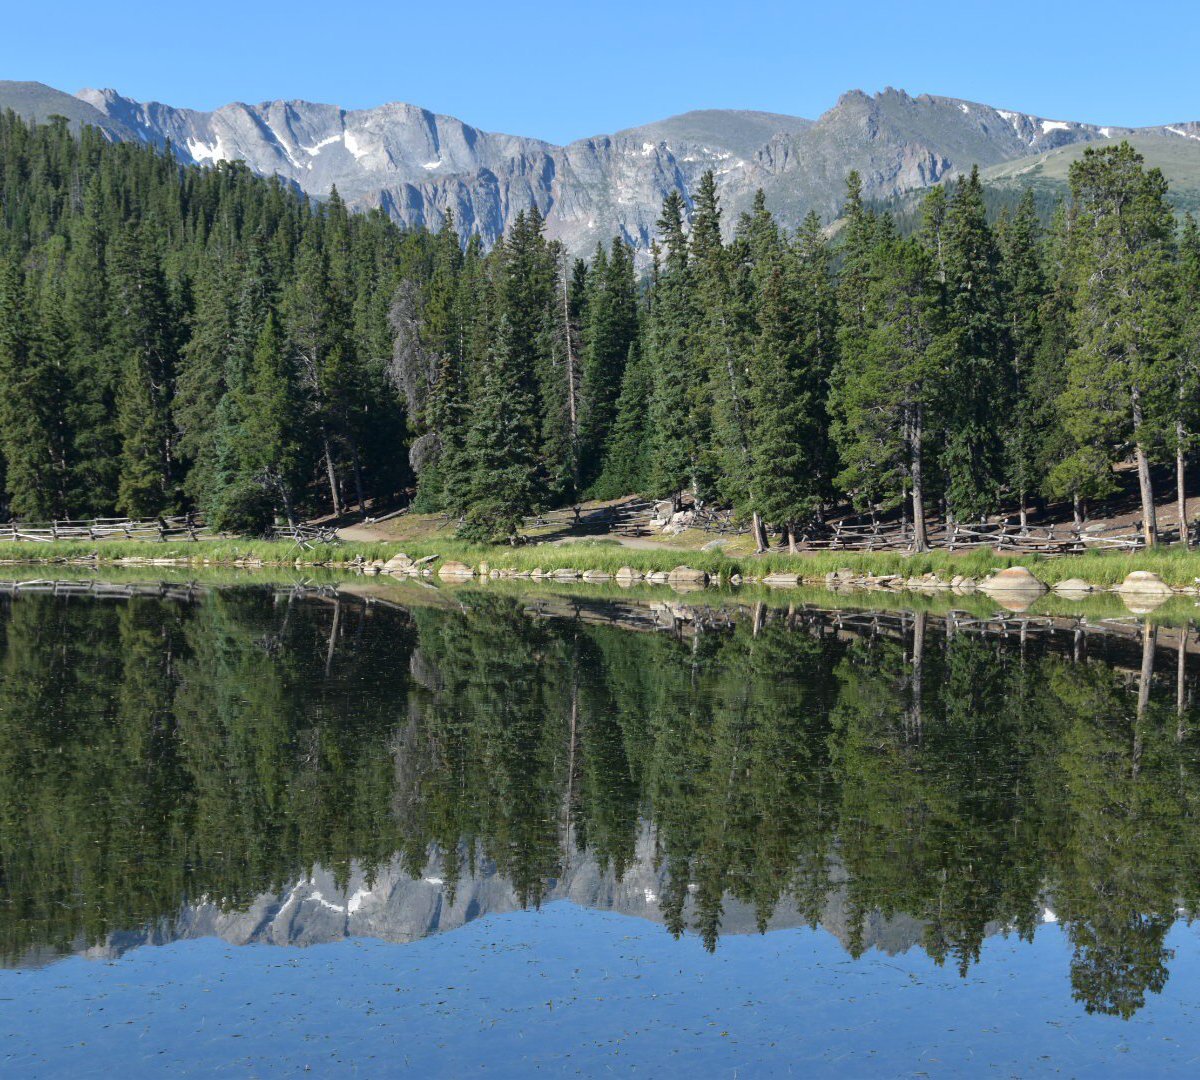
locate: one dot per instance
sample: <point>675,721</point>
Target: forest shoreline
<point>1175,570</point>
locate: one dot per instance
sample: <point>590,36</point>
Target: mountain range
<point>418,165</point>
<point>395,906</point>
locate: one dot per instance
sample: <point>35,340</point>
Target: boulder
<point>455,570</point>
<point>628,573</point>
<point>662,512</point>
<point>1074,587</point>
<point>685,575</point>
<point>564,573</point>
<point>1144,583</point>
<point>657,577</point>
<point>597,575</point>
<point>782,580</point>
<point>679,522</point>
<point>1013,579</point>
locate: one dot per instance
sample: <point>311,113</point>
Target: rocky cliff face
<point>418,165</point>
<point>396,907</point>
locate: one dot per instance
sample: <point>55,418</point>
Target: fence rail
<point>851,536</point>
<point>189,527</point>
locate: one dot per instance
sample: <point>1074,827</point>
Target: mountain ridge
<point>419,165</point>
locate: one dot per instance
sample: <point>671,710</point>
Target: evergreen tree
<point>675,431</point>
<point>93,371</point>
<point>262,454</point>
<point>1124,313</point>
<point>785,463</point>
<point>626,466</point>
<point>610,326</point>
<point>856,256</point>
<point>815,297</point>
<point>718,346</point>
<point>1024,290</point>
<point>1187,374</point>
<point>885,394</point>
<point>502,444</point>
<point>144,343</point>
<point>313,328</point>
<point>978,382</point>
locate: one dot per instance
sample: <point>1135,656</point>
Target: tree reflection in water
<point>156,754</point>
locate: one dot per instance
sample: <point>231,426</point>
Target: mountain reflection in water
<point>293,768</point>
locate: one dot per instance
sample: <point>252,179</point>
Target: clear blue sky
<point>561,70</point>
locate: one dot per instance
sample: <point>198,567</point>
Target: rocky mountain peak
<point>419,165</point>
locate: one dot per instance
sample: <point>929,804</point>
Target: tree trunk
<point>333,636</point>
<point>791,538</point>
<point>1180,487</point>
<point>1149,519</point>
<point>918,664</point>
<point>358,480</point>
<point>920,535</point>
<point>1076,512</point>
<point>331,472</point>
<point>1149,640</point>
<point>1024,514</point>
<point>1181,684</point>
<point>760,533</point>
<point>570,352</point>
<point>286,498</point>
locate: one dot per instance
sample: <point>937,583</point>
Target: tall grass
<point>281,552</point>
<point>1175,565</point>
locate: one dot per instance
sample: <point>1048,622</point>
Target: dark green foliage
<point>1123,316</point>
<point>978,382</point>
<point>609,320</point>
<point>184,338</point>
<point>675,416</point>
<point>147,288</point>
<point>502,441</point>
<point>161,754</point>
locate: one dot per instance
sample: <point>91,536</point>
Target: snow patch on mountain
<point>356,148</point>
<point>320,145</point>
<point>201,152</point>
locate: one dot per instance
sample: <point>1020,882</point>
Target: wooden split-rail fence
<point>187,527</point>
<point>850,535</point>
<point>629,518</point>
<point>305,536</point>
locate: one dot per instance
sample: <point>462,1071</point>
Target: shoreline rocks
<point>1013,579</point>
<point>1145,583</point>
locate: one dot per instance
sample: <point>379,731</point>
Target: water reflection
<point>290,767</point>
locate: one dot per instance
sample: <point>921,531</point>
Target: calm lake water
<point>259,831</point>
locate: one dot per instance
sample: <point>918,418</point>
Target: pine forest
<point>175,338</point>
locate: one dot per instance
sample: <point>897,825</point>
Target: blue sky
<point>562,70</point>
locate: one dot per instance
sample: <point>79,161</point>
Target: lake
<point>349,827</point>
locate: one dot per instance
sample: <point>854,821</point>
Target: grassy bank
<point>220,552</point>
<point>1175,566</point>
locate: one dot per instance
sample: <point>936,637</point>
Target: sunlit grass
<point>1175,565</point>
